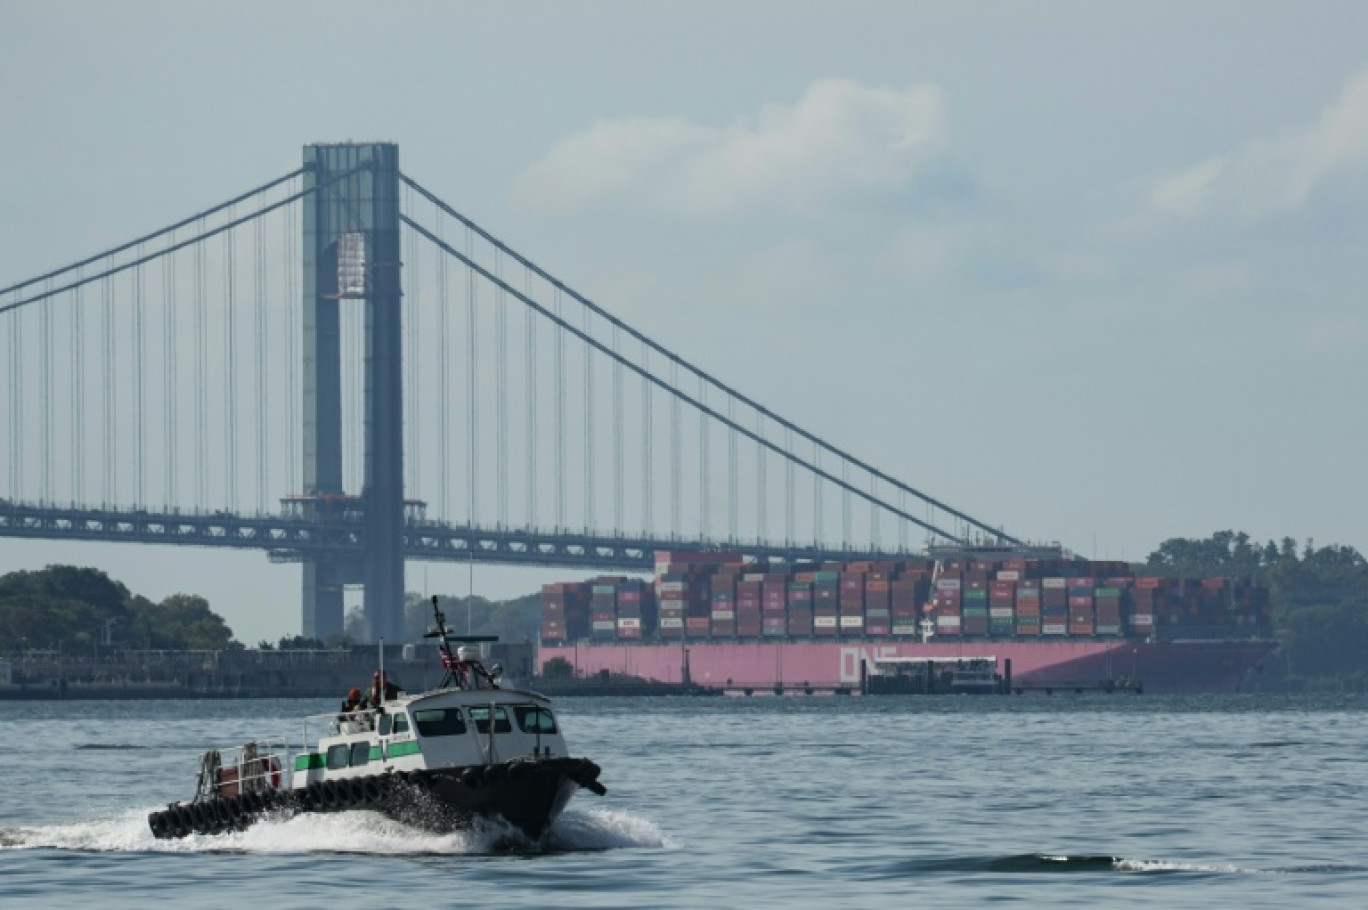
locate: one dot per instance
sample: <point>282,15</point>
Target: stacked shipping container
<point>719,598</point>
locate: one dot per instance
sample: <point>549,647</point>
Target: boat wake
<point>1027,863</point>
<point>359,832</point>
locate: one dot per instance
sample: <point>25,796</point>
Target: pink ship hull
<point>1179,666</point>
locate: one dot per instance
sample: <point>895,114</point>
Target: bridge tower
<point>351,257</point>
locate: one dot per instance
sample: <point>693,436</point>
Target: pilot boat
<point>444,759</point>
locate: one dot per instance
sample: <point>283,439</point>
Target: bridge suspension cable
<point>698,405</point>
<point>783,423</point>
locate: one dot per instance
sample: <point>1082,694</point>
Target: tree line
<point>66,608</point>
<point>1319,597</point>
<point>74,609</point>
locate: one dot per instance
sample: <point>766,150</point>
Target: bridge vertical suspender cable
<point>676,447</point>
<point>789,517</point>
<point>444,386</point>
<point>413,417</point>
<point>109,424</point>
<point>560,418</point>
<point>589,448</point>
<point>169,384</point>
<point>733,471</point>
<point>230,367</point>
<point>761,483</point>
<point>139,390</point>
<point>647,456</point>
<point>500,396</point>
<point>818,519</point>
<point>617,436</point>
<point>78,449</point>
<point>263,357</point>
<point>291,298</point>
<point>530,354</point>
<point>201,375</point>
<point>472,384</point>
<point>45,392</point>
<point>704,531</point>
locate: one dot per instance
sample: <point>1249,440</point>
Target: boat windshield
<point>480,716</point>
<point>440,721</point>
<point>533,719</point>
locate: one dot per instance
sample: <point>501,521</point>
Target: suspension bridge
<point>339,368</point>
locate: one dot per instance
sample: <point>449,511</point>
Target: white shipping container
<point>630,623</point>
<point>604,625</point>
<point>671,622</point>
<point>1055,628</point>
<point>824,622</point>
<point>947,622</point>
<point>1009,575</point>
<point>948,584</point>
<point>723,614</point>
<point>905,630</point>
<point>1107,630</point>
<point>1001,612</point>
<point>852,622</point>
<point>671,586</point>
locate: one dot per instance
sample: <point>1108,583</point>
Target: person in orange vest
<point>351,704</point>
<point>381,690</point>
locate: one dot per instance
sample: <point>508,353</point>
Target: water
<point>836,802</point>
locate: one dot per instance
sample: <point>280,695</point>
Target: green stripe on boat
<point>307,760</point>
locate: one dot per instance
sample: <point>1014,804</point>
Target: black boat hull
<point>528,794</point>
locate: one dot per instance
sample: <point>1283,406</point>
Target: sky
<point>1091,271</point>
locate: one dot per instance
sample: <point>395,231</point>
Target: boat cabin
<point>441,729</point>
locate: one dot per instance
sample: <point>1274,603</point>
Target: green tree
<point>558,668</point>
<point>180,622</point>
<point>1319,597</point>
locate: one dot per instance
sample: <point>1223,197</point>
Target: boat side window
<point>439,722</point>
<point>400,723</point>
<point>532,719</point>
<point>481,718</point>
<point>338,756</point>
<point>385,723</point>
<point>360,753</point>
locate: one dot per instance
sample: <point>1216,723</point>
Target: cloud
<point>839,139</point>
<point>1275,174</point>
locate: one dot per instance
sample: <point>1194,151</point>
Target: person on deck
<point>350,705</point>
<point>382,690</point>
<point>352,702</point>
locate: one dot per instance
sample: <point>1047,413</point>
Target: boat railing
<point>252,767</point>
<point>337,723</point>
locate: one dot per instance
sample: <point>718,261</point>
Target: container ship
<point>713,620</point>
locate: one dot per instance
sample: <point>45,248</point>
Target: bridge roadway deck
<point>291,539</point>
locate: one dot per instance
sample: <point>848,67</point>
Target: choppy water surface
<point>823,802</point>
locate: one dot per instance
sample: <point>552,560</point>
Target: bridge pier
<point>351,253</point>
